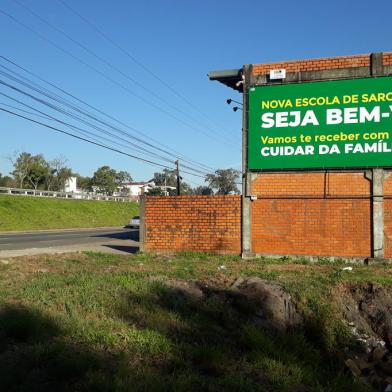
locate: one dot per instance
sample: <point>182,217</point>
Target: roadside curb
<point>63,230</point>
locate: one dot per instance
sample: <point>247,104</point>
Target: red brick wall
<point>193,223</point>
<point>321,214</point>
<point>387,58</point>
<point>362,60</point>
<point>311,184</point>
<point>308,213</point>
<point>316,213</point>
<point>388,216</point>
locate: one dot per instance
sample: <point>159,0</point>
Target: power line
<point>69,114</point>
<point>92,142</point>
<point>134,59</point>
<point>77,117</point>
<point>54,107</point>
<point>39,90</point>
<point>84,139</point>
<point>111,65</point>
<point>23,111</point>
<point>92,135</point>
<point>103,74</point>
<point>56,97</point>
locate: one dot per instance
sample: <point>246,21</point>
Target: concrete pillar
<point>246,219</point>
<point>378,176</point>
<point>378,212</point>
<point>246,202</point>
<point>377,64</point>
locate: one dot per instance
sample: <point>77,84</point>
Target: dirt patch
<point>368,307</point>
<point>367,310</point>
<point>274,307</point>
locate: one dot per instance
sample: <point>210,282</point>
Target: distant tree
<point>203,190</point>
<point>123,176</point>
<point>84,183</point>
<point>30,170</point>
<point>169,178</point>
<point>58,174</point>
<point>108,180</point>
<point>39,170</point>
<point>63,175</point>
<point>224,181</point>
<point>21,164</point>
<point>105,180</point>
<point>6,181</point>
<point>154,192</point>
<point>186,189</point>
<point>166,177</point>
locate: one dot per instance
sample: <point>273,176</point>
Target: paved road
<point>118,239</point>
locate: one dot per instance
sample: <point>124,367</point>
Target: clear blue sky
<point>180,41</point>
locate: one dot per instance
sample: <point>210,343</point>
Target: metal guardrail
<point>65,195</point>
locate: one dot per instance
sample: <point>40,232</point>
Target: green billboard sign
<point>331,124</point>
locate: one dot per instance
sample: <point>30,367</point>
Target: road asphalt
<point>114,240</point>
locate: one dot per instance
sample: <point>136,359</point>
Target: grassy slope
<point>96,322</point>
<point>30,213</point>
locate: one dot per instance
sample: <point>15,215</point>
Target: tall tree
<point>166,177</point>
<point>30,170</point>
<point>21,164</point>
<point>108,180</point>
<point>203,190</point>
<point>123,176</point>
<point>154,192</point>
<point>185,188</point>
<point>58,175</point>
<point>6,181</point>
<point>104,179</point>
<point>224,181</point>
<point>84,183</point>
<point>38,171</point>
<point>63,175</point>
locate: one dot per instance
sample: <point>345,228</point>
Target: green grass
<point>18,213</point>
<point>100,322</point>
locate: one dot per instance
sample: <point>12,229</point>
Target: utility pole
<point>178,177</point>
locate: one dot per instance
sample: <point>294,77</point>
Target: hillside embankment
<point>23,213</point>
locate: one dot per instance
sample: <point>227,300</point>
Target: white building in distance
<point>71,185</point>
<point>136,188</point>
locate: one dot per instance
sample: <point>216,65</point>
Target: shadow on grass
<point>215,344</point>
<point>220,343</point>
<point>35,355</point>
